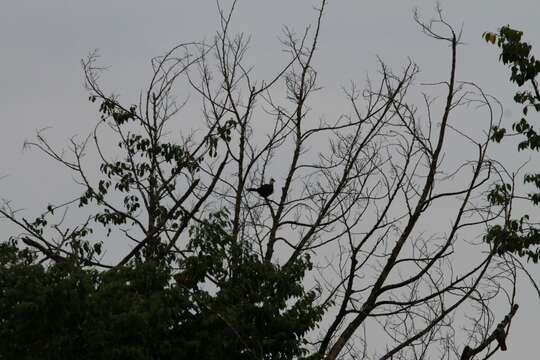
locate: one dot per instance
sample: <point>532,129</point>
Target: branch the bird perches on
<point>499,335</point>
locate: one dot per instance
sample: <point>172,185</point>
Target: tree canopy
<point>346,250</point>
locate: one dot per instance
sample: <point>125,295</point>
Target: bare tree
<point>361,206</point>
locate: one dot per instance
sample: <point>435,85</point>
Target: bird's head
<point>272,180</point>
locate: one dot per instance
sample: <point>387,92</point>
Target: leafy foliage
<point>249,309</point>
<point>518,236</point>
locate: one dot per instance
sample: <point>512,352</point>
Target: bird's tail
<point>251,189</point>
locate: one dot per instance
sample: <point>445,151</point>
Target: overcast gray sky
<point>42,43</point>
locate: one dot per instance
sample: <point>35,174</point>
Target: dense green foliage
<point>520,236</point>
<point>250,309</point>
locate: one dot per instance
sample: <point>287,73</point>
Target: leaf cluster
<point>228,304</point>
<point>524,69</point>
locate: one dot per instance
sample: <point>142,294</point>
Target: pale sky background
<point>41,84</point>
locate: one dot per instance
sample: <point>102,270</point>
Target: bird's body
<point>500,335</point>
<point>264,190</point>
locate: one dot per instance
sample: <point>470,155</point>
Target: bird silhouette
<point>500,335</point>
<point>264,190</point>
